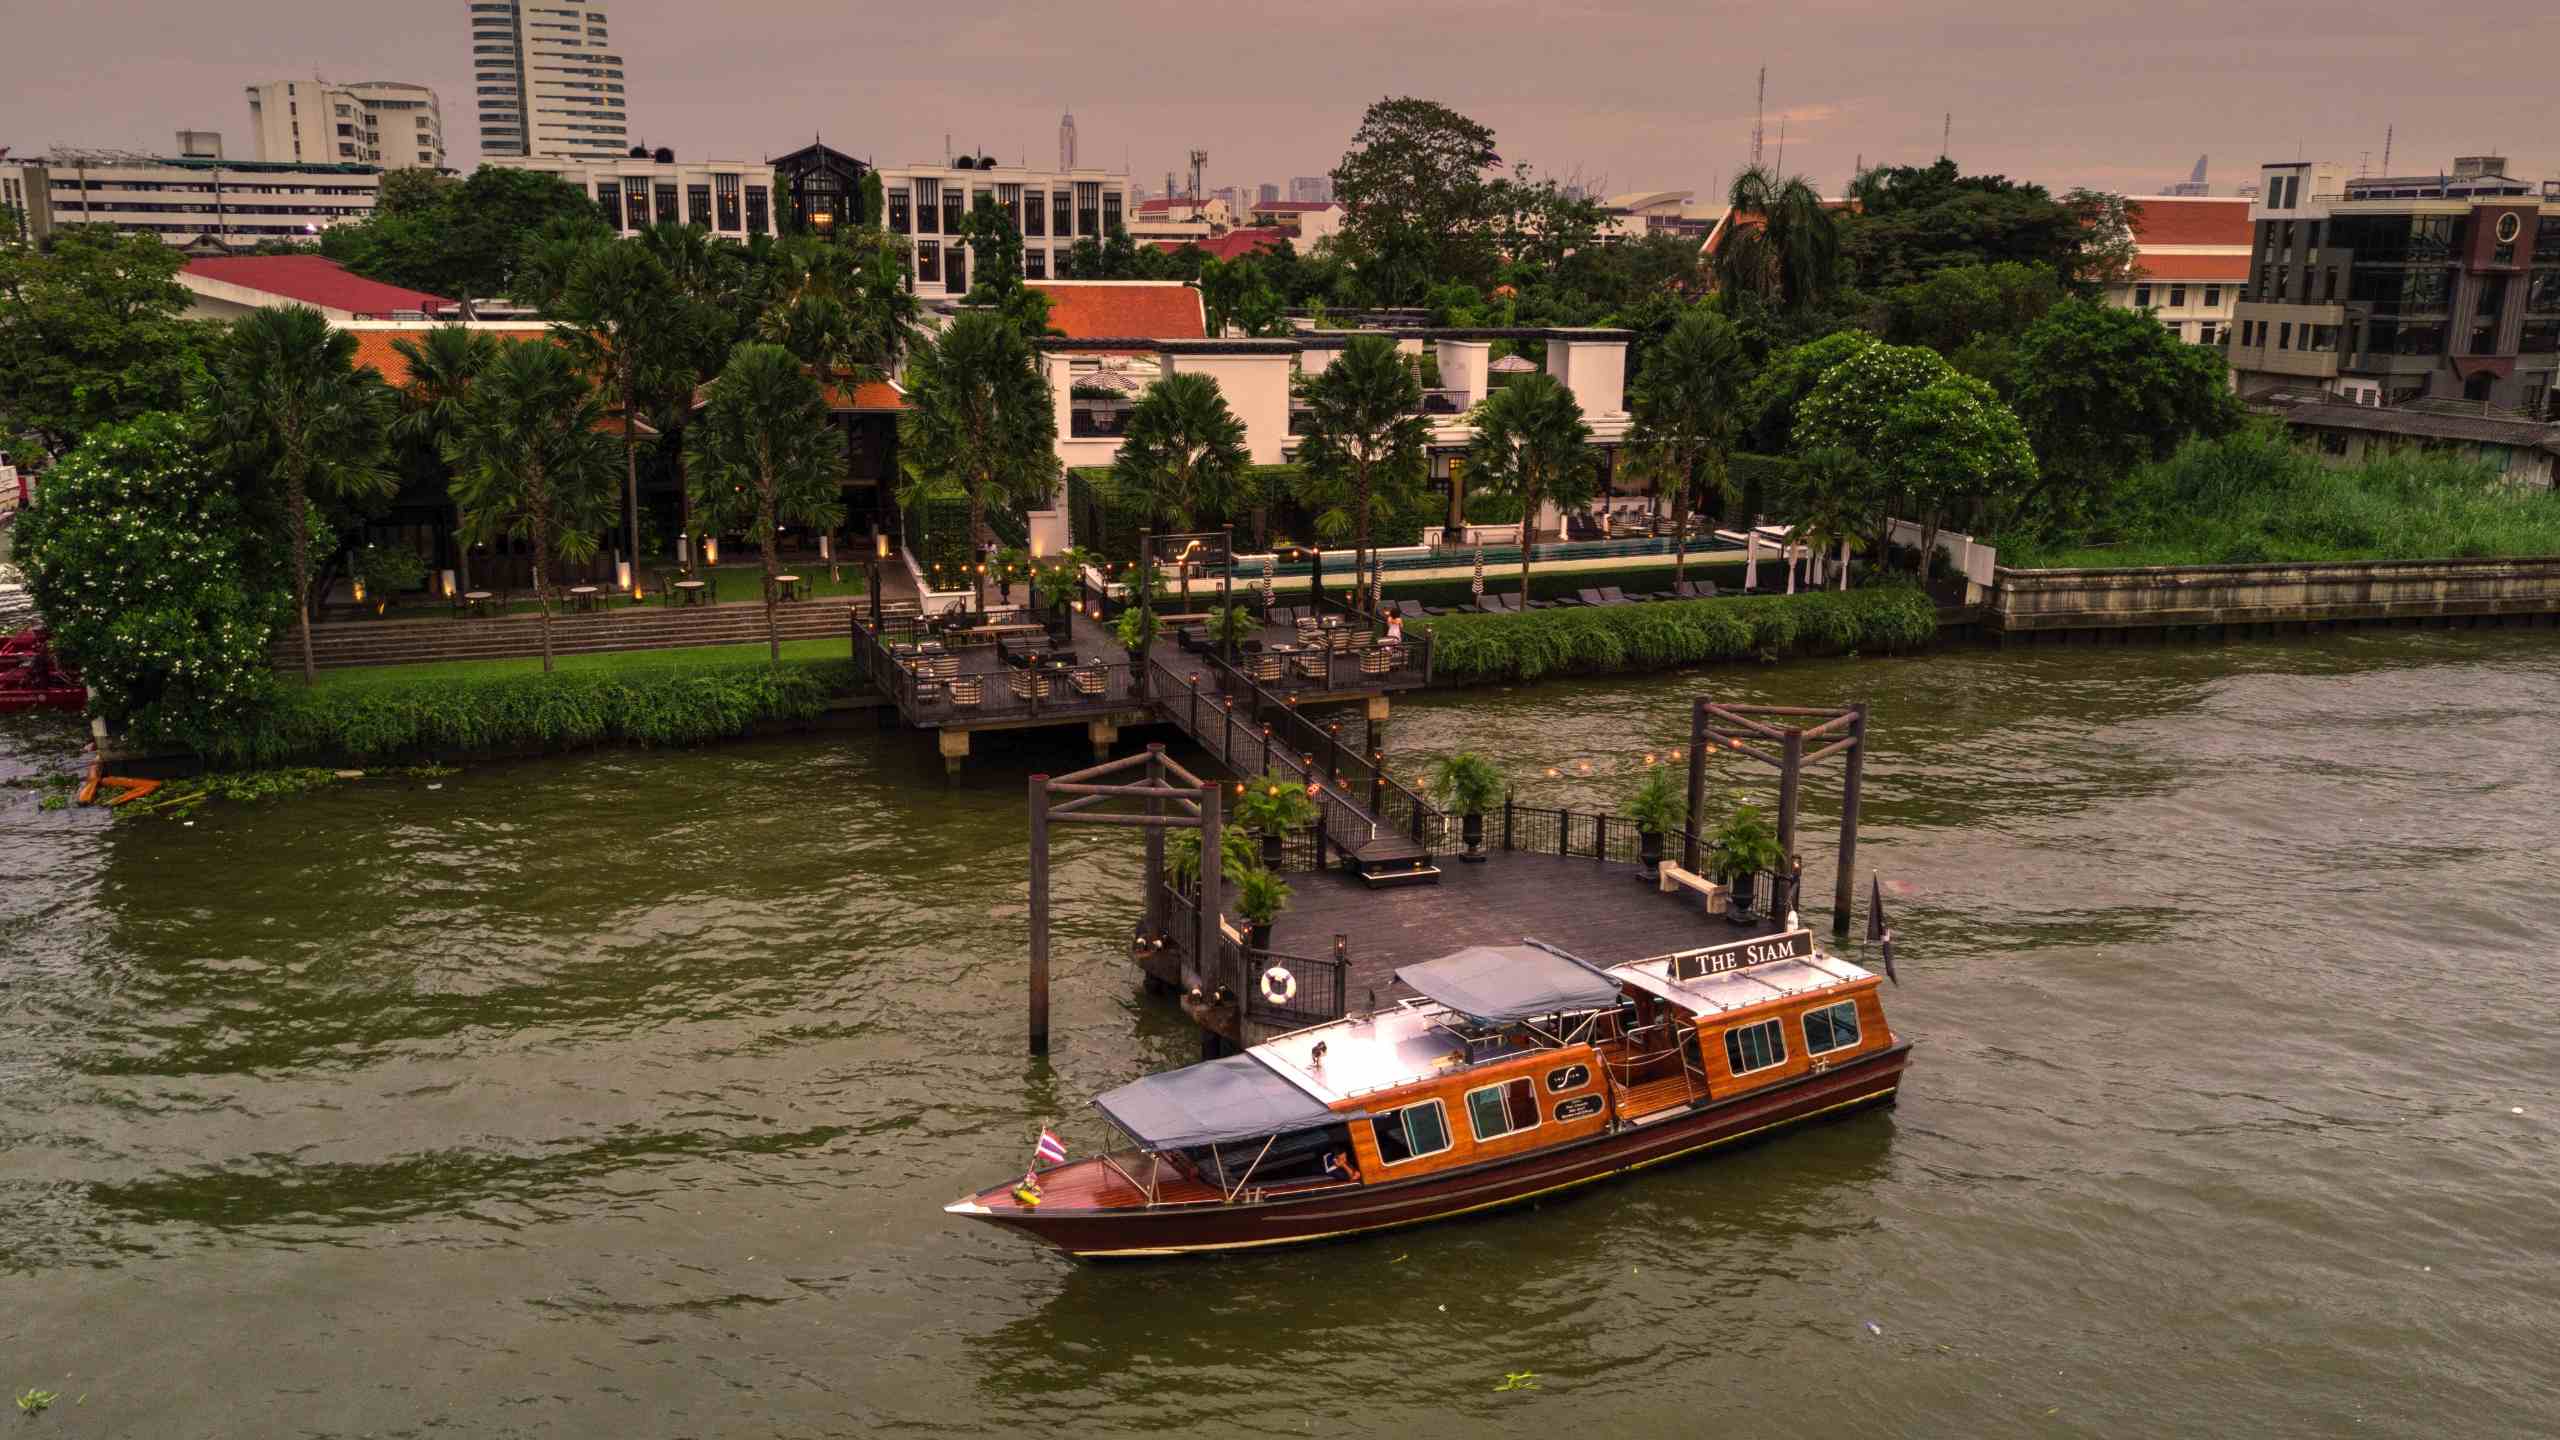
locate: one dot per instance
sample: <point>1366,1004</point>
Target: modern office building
<point>188,198</point>
<point>547,80</point>
<point>1052,209</point>
<point>2385,290</point>
<point>370,122</point>
<point>732,198</point>
<point>1310,187</point>
<point>2191,256</point>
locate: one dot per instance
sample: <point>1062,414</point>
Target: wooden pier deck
<point>1605,912</point>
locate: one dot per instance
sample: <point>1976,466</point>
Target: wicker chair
<point>1028,685</point>
<point>968,692</point>
<point>1088,680</point>
<point>1316,666</point>
<point>1379,660</point>
<point>1270,669</point>
<point>943,667</point>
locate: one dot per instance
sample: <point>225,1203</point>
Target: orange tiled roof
<point>1112,310</point>
<point>2174,221</point>
<point>375,348</point>
<point>2191,267</point>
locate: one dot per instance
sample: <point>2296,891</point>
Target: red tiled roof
<point>1289,207</point>
<point>2162,221</point>
<point>1110,310</point>
<point>374,347</point>
<point>869,395</point>
<point>1229,245</point>
<point>2192,267</point>
<point>314,281</point>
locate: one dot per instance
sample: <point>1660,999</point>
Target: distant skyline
<point>1621,94</point>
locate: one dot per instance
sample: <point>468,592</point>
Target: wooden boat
<point>32,679</point>
<point>1518,1071</point>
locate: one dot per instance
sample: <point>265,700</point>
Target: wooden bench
<point>1393,860</point>
<point>1673,877</point>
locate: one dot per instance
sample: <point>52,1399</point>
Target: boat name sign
<point>1716,960</point>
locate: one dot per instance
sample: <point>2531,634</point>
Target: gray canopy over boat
<point>1214,1103</point>
<point>1501,983</point>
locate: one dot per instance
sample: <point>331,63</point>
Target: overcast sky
<point>1633,94</point>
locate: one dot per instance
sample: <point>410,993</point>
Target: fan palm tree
<point>617,315</point>
<point>532,459</point>
<point>766,455</point>
<point>1532,445</point>
<point>823,333</point>
<point>442,368</point>
<point>979,416</point>
<point>1368,440</point>
<point>1780,243</point>
<point>1183,449</point>
<point>1688,408</point>
<point>286,398</point>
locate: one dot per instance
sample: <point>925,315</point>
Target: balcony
<point>1099,419</point>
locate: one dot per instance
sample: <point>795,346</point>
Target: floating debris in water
<point>1518,1380</point>
<point>1874,1329</point>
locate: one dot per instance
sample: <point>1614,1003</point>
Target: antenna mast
<point>1946,134</point>
<point>1759,109</point>
<point>2386,149</point>
<point>1782,144</point>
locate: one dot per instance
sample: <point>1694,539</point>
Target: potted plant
<point>1182,860</point>
<point>1745,844</point>
<point>1231,625</point>
<point>1467,783</point>
<point>1659,808</point>
<point>1260,896</point>
<point>1136,629</point>
<point>1271,807</point>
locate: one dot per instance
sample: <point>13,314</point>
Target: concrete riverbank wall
<point>2238,600</point>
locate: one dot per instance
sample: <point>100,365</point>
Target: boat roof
<point>1240,1097</point>
<point>1737,976</point>
<point>1367,1053</point>
<point>1502,983</point>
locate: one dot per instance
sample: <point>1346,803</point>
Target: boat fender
<point>1278,985</point>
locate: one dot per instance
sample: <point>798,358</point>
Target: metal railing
<point>1315,991</point>
<point>974,682</point>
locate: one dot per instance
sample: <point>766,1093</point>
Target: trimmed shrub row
<point>675,706</point>
<point>1664,633</point>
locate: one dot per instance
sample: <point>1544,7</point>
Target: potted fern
<point>1271,807</point>
<point>1658,808</point>
<point>1136,629</point>
<point>1467,783</point>
<point>1260,896</point>
<point>1231,626</point>
<point>1746,844</point>
<point>1182,860</point>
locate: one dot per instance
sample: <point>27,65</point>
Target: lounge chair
<point>1512,604</point>
<point>1411,609</point>
<point>1491,605</point>
<point>1590,597</point>
<point>1612,595</point>
<point>1697,590</point>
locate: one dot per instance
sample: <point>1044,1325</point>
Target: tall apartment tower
<point>371,122</point>
<point>1315,188</point>
<point>547,79</point>
<point>1067,141</point>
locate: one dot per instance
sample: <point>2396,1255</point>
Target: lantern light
<point>710,549</point>
<point>359,589</point>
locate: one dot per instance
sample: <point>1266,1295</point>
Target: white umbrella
<point>1266,586</point>
<point>1751,558</point>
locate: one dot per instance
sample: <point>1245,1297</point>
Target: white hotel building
<point>1052,208</point>
<point>547,80</point>
<point>183,198</point>
<point>369,122</point>
<point>731,198</point>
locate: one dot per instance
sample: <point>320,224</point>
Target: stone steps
<point>400,642</point>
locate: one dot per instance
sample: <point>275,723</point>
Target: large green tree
<point>1778,391</point>
<point>765,454</point>
<point>141,562</point>
<point>1416,194</point>
<point>979,417</point>
<point>1951,450</point>
<point>460,240</point>
<point>1184,451</point>
<point>443,366</point>
<point>1914,220</point>
<point>288,406</point>
<point>1972,314</point>
<point>1688,407</point>
<point>2102,390</point>
<point>1781,244</point>
<point>91,334</point>
<point>1533,445</point>
<point>619,314</point>
<point>1367,444</point>
<point>532,461</point>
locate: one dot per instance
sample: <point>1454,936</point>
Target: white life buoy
<point>1278,985</point>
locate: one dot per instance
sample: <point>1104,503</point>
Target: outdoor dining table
<point>690,592</point>
<point>478,600</point>
<point>788,587</point>
<point>584,597</point>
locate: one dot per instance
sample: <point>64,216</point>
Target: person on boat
<point>1339,1163</point>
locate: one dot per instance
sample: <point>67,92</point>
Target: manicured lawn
<point>618,662</point>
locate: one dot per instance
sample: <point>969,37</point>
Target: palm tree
<point>822,332</point>
<point>286,398</point>
<point>1780,243</point>
<point>1368,439</point>
<point>532,458</point>
<point>765,454</point>
<point>1532,444</point>
<point>617,313</point>
<point>1688,408</point>
<point>442,368</point>
<point>980,416</point>
<point>1183,449</point>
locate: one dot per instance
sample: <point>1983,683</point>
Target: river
<point>618,1095</point>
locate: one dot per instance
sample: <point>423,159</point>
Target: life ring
<point>1278,985</point>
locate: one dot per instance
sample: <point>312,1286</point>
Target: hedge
<point>1105,520</point>
<point>1659,634</point>
<point>676,706</point>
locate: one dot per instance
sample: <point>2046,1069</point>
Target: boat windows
<point>1755,1047</point>
<point>1833,1027</point>
<point>1412,1132</point>
<point>1504,1109</point>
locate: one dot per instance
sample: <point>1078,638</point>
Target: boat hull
<point>1352,1210</point>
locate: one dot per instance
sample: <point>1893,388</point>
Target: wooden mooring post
<point>1776,736</point>
<point>1163,805</point>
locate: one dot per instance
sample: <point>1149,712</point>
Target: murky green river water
<point>618,1096</point>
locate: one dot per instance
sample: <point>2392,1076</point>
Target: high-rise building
<point>1267,192</point>
<point>546,79</point>
<point>1067,141</point>
<point>1314,188</point>
<point>370,122</point>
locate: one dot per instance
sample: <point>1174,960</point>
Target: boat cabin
<point>1503,1053</point>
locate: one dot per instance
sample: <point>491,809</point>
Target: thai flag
<point>1051,1150</point>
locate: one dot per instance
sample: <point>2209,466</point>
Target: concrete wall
<point>1256,388</point>
<point>2155,596</point>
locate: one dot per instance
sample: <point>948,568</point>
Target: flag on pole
<point>1879,929</point>
<point>1051,1150</point>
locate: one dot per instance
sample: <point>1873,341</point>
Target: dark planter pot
<point>1271,852</point>
<point>1739,908</point>
<point>1471,827</point>
<point>1258,937</point>
<point>1649,850</point>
